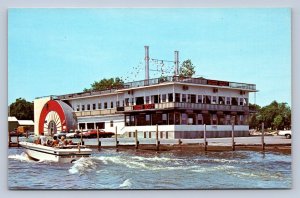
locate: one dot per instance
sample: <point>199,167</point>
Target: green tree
<point>187,69</point>
<point>104,84</point>
<point>21,109</point>
<point>254,116</point>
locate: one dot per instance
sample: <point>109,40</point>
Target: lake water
<point>130,169</point>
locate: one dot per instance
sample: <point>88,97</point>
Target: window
<point>193,98</point>
<point>170,97</point>
<point>105,105</point>
<point>200,99</point>
<point>184,118</point>
<point>167,135</point>
<point>171,118</point>
<point>147,99</point>
<point>132,101</point>
<point>118,103</point>
<point>214,100</point>
<point>241,120</point>
<point>126,102</point>
<point>111,123</point>
<point>148,119</point>
<point>221,100</point>
<point>214,119</point>
<point>127,120</point>
<point>207,99</point>
<point>189,98</point>
<point>145,135</point>
<point>200,119</point>
<point>242,102</point>
<point>165,118</point>
<point>245,101</point>
<point>78,108</point>
<point>177,97</point>
<point>183,97</point>
<point>88,107</point>
<point>90,125</point>
<point>228,100</point>
<point>99,105</point>
<point>132,121</point>
<point>149,134</point>
<point>234,101</point>
<point>163,98</point>
<point>81,126</point>
<point>227,120</point>
<point>177,118</point>
<point>111,104</point>
<point>94,106</point>
<point>82,107</point>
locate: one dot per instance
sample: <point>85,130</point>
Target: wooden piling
<point>9,139</point>
<point>232,135</point>
<point>81,139</point>
<point>136,140</point>
<point>263,136</point>
<point>157,141</point>
<point>99,143</point>
<point>18,139</point>
<point>116,136</point>
<point>204,137</point>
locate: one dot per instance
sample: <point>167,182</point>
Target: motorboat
<point>60,154</point>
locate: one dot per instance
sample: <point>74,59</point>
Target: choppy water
<point>109,169</point>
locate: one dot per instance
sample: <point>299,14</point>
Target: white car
<point>286,133</point>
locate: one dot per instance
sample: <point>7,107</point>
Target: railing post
<point>157,141</point>
<point>263,136</point>
<point>232,135</point>
<point>136,140</point>
<point>204,136</point>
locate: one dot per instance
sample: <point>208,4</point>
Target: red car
<point>93,134</point>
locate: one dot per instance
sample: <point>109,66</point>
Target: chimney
<point>146,62</point>
<point>176,61</point>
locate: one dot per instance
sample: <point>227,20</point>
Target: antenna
<point>146,62</point>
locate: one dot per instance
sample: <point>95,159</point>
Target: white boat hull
<point>61,155</point>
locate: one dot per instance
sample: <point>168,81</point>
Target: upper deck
<point>161,81</point>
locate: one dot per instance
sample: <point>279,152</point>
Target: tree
<point>21,109</point>
<point>276,116</point>
<point>187,69</point>
<point>104,84</point>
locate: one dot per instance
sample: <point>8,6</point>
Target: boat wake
<point>83,165</point>
<point>21,157</point>
<point>126,184</point>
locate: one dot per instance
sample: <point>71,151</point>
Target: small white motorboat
<point>62,154</point>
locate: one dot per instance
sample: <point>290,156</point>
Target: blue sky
<point>60,51</point>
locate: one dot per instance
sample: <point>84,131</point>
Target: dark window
<point>214,100</point>
<point>94,106</point>
<point>82,107</point>
<point>81,126</point>
<point>149,134</point>
<point>177,118</point>
<point>228,100</point>
<point>145,135</point>
<point>200,119</point>
<point>129,134</point>
<point>167,135</point>
<point>100,125</point>
<point>234,101</point>
<point>183,97</point>
<point>164,118</point>
<point>99,105</point>
<point>88,107</point>
<point>139,100</point>
<point>163,98</point>
<point>147,99</point>
<point>111,123</point>
<point>170,97</point>
<point>221,100</point>
<point>127,120</point>
<point>171,118</point>
<point>207,100</point>
<point>148,119</point>
<point>193,98</point>
<point>161,135</point>
<point>184,118</point>
<point>105,105</point>
<point>177,97</point>
<point>78,108</point>
<point>156,98</point>
<point>90,125</point>
<point>126,102</point>
<point>189,98</point>
<point>200,99</point>
<point>111,104</point>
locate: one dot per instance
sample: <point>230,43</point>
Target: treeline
<point>21,109</point>
<point>276,116</point>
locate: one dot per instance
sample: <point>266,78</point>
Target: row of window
<point>183,119</point>
<point>151,134</point>
<point>189,98</point>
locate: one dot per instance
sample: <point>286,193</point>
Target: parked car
<point>93,134</point>
<point>75,134</point>
<point>286,133</point>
